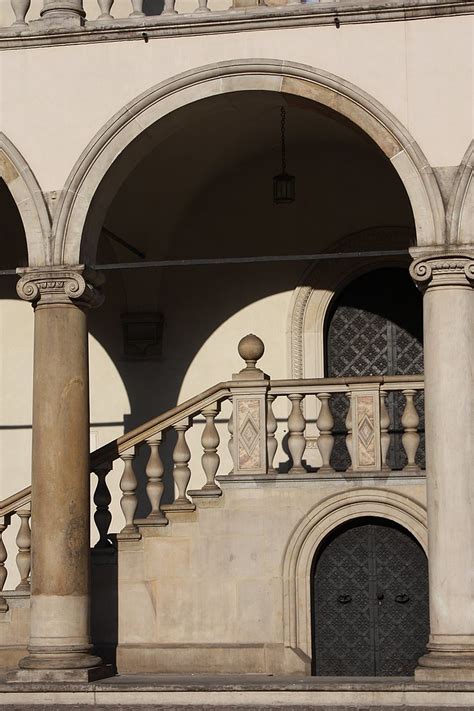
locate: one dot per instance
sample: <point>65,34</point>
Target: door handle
<point>344,599</point>
<point>402,598</point>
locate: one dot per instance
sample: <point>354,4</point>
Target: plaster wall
<point>406,66</point>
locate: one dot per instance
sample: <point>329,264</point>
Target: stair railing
<point>254,437</point>
<point>17,505</point>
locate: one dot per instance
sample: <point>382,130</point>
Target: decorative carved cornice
<point>297,323</point>
<point>61,284</point>
<point>438,270</point>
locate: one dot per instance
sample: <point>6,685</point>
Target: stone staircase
<point>180,533</point>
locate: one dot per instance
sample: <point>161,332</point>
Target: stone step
<point>238,693</point>
<point>255,706</point>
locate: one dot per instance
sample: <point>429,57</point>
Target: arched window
<point>375,327</point>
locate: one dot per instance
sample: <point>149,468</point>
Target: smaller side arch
<point>26,192</point>
<point>320,285</point>
<point>313,529</point>
<point>460,212</point>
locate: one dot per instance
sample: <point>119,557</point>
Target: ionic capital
<point>443,270</point>
<point>79,285</point>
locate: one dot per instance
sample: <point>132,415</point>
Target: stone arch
<point>306,538</point>
<point>26,192</point>
<point>460,211</point>
<point>73,244</point>
<point>321,284</point>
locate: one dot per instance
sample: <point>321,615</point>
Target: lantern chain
<point>283,139</point>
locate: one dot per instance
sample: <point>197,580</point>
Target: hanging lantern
<point>283,184</point>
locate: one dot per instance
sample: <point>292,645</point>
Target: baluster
<point>20,8</point>
<point>3,570</point>
<point>230,428</point>
<point>296,439</point>
<point>272,444</point>
<point>210,441</point>
<point>168,8</point>
<point>128,486</point>
<point>325,423</point>
<point>348,424</point>
<point>104,7</point>
<point>410,437</point>
<point>102,515</point>
<point>137,9</point>
<point>202,7</point>
<point>181,471</point>
<point>384,434</point>
<point>23,541</point>
<point>155,487</point>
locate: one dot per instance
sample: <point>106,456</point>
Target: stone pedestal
<point>60,595</point>
<point>69,12</point>
<point>447,280</point>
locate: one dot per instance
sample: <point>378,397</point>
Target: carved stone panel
<point>250,434</point>
<point>366,430</point>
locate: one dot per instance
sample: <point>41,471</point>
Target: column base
<point>75,676</point>
<point>446,666</point>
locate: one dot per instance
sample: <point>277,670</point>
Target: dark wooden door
<point>370,601</point>
<point>376,328</point>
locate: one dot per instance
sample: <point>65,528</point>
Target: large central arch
<point>75,241</point>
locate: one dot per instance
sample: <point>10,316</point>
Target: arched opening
<point>203,189</point>
<point>16,358</point>
<point>369,585</point>
<point>375,327</point>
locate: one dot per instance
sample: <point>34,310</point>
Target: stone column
<point>63,11</point>
<point>447,279</point>
<point>59,645</point>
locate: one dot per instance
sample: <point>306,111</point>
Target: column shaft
<point>60,592</point>
<point>449,410</point>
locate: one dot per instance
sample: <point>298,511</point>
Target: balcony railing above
<point>114,17</point>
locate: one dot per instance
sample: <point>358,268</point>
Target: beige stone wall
<point>405,66</point>
<point>216,588</point>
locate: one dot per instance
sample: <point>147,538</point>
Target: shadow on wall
<point>104,602</point>
<point>153,7</point>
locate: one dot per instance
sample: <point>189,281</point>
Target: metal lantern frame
<point>284,184</point>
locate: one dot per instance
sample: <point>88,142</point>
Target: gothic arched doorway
<point>370,601</point>
<point>375,327</point>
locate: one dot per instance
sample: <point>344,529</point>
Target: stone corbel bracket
<point>78,285</point>
<point>446,269</point>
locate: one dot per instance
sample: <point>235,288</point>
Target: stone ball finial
<point>251,348</point>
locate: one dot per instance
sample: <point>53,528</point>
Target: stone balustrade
<point>16,509</point>
<point>373,422</point>
<point>134,10</point>
<point>40,22</point>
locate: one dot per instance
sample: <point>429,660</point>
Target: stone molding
<point>460,210</point>
<point>54,285</point>
<point>29,199</point>
<point>43,33</point>
<point>443,270</point>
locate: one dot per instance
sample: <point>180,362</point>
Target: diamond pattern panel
<point>370,602</point>
<point>403,619</point>
<point>343,644</point>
